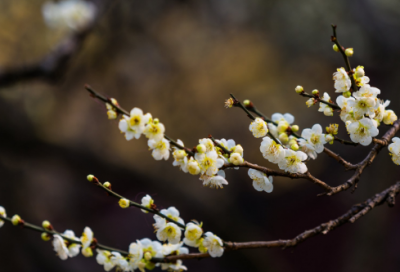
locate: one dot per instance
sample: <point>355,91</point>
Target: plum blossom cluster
<point>73,14</point>
<point>206,159</point>
<point>360,108</point>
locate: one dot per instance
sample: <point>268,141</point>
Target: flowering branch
<point>153,208</point>
<point>317,98</point>
<point>352,215</point>
<point>30,226</point>
<point>346,59</point>
<point>120,110</point>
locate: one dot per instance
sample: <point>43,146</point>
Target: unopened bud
<point>201,148</point>
<point>46,224</point>
<point>299,89</point>
<point>359,73</point>
<point>295,128</point>
<point>349,52</point>
<point>107,184</point>
<point>124,203</point>
<point>45,236</point>
<point>282,126</point>
<point>329,138</point>
<point>238,149</point>
<point>156,121</point>
<point>347,94</point>
<point>310,102</point>
<point>180,154</point>
<point>335,48</point>
<point>87,252</point>
<point>283,137</point>
<point>90,178</point>
<point>111,115</point>
<point>246,102</point>
<point>315,92</point>
<point>148,256</point>
<point>15,220</point>
<point>294,147</point>
<point>236,159</point>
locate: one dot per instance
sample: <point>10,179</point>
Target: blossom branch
<point>30,226</point>
<point>346,164</point>
<point>346,59</point>
<point>351,215</point>
<point>120,110</point>
<point>318,99</point>
<point>152,210</point>
<point>344,141</point>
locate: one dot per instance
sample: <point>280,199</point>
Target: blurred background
<point>179,60</point>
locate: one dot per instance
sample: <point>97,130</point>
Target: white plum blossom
<point>380,110</point>
<point>215,181</point>
<point>292,161</point>
<point>346,105</point>
<point>326,109</point>
<point>178,267</point>
<point>104,258</point>
<point>314,140</point>
<point>208,144</point>
<point>60,247</point>
<point>389,117</point>
<point>228,144</point>
<point>172,213</point>
<point>193,166</point>
<point>147,202</point>
<point>287,117</point>
<point>260,181</point>
<point>73,249</point>
<point>151,249</point>
<point>364,105</point>
<point>310,102</point>
<point>342,81</point>
<point>86,239</point>
<point>214,244</point>
<point>394,149</point>
<point>258,127</point>
<point>171,232</point>
<point>3,214</point>
<point>154,130</point>
<point>363,130</point>
<point>180,157</point>
<point>160,149</point>
<point>367,91</point>
<point>271,150</point>
<point>176,249</point>
<point>209,162</point>
<point>120,261</point>
<point>193,233</point>
<point>273,130</point>
<point>134,125</point>
<point>74,14</point>
<point>135,255</point>
<point>236,158</point>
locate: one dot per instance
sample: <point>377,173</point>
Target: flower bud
<point>107,185</point>
<point>87,252</point>
<point>16,220</point>
<point>295,128</point>
<point>90,178</point>
<point>236,159</point>
<point>359,72</point>
<point>299,89</point>
<point>180,154</point>
<point>238,149</point>
<point>329,138</point>
<point>335,48</point>
<point>347,94</point>
<point>310,102</point>
<point>45,236</point>
<point>389,117</point>
<point>156,121</point>
<point>283,137</point>
<point>246,102</point>
<point>201,148</point>
<point>148,256</point>
<point>46,224</point>
<point>111,114</point>
<point>294,147</point>
<point>315,92</point>
<point>193,167</point>
<point>349,52</point>
<point>124,203</point>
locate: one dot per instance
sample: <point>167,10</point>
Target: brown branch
<point>344,141</point>
<point>346,164</point>
<point>352,215</point>
<point>53,65</point>
<point>379,144</point>
<point>318,99</point>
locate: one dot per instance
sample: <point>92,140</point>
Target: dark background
<point>179,60</point>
